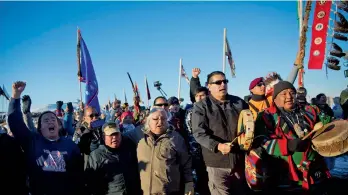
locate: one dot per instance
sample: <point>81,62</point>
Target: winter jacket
<point>113,171</point>
<point>214,122</point>
<point>164,164</point>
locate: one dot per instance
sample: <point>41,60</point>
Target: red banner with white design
<point>319,33</point>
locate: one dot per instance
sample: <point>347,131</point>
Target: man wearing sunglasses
<point>258,101</point>
<point>91,132</point>
<point>214,126</point>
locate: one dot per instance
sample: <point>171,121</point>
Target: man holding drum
<point>288,158</point>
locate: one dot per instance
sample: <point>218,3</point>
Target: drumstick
<point>310,133</point>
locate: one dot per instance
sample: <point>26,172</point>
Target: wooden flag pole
<point>180,70</point>
<point>147,101</point>
<point>79,61</point>
<point>224,52</point>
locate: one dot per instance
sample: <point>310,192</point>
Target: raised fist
<point>196,72</point>
<point>26,104</point>
<point>17,89</point>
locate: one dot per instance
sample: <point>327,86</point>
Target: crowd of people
<point>168,149</point>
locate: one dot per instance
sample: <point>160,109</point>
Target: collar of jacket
<point>258,98</point>
<point>215,101</point>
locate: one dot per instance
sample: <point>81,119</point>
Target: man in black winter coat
<point>112,169</point>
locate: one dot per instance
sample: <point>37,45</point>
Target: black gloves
<point>26,101</point>
<point>59,105</point>
<point>297,145</point>
<point>70,107</point>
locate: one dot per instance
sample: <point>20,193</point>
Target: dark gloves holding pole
<point>26,101</point>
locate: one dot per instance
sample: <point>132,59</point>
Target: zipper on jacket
<point>151,170</point>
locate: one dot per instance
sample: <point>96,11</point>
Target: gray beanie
<point>280,86</point>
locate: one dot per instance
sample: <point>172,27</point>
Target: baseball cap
<point>110,128</point>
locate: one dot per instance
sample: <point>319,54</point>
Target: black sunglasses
<point>160,105</point>
<point>260,84</point>
<point>219,82</point>
<point>93,115</point>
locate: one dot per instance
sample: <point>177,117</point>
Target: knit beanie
<point>280,86</point>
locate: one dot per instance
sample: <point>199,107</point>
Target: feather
<point>343,5</point>
<point>340,37</point>
<point>342,19</point>
<point>339,27</point>
<point>336,47</point>
<point>337,53</point>
<point>333,66</point>
<point>333,60</point>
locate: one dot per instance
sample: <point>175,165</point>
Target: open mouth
<point>51,129</point>
<point>222,90</point>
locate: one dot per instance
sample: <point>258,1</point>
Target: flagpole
<point>179,86</point>
<point>79,60</point>
<point>147,102</point>
<point>224,52</point>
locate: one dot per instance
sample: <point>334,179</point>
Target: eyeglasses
<point>94,115</point>
<point>219,82</point>
<point>160,105</point>
<point>260,84</point>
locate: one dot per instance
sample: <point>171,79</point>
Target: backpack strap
<point>253,107</point>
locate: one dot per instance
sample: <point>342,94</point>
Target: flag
<point>147,89</point>
<point>228,53</point>
<point>184,75</point>
<point>136,89</point>
<point>125,97</point>
<point>91,96</point>
<point>81,69</point>
<point>4,92</point>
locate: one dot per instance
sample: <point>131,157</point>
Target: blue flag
<point>91,96</point>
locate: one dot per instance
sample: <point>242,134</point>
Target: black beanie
<point>282,85</point>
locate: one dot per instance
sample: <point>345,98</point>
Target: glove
<point>26,101</point>
<point>189,190</point>
<point>297,145</point>
<point>59,105</point>
<point>70,107</point>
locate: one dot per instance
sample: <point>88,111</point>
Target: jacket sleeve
<point>91,174</point>
<point>185,160</point>
<point>136,135</point>
<point>200,127</point>
<point>28,120</point>
<point>77,170</point>
<point>194,85</point>
<point>17,125</point>
<point>275,146</point>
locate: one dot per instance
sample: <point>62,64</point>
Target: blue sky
<point>38,45</point>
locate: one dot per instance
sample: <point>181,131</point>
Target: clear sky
<point>38,45</point>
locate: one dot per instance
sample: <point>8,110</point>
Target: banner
<point>319,33</point>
